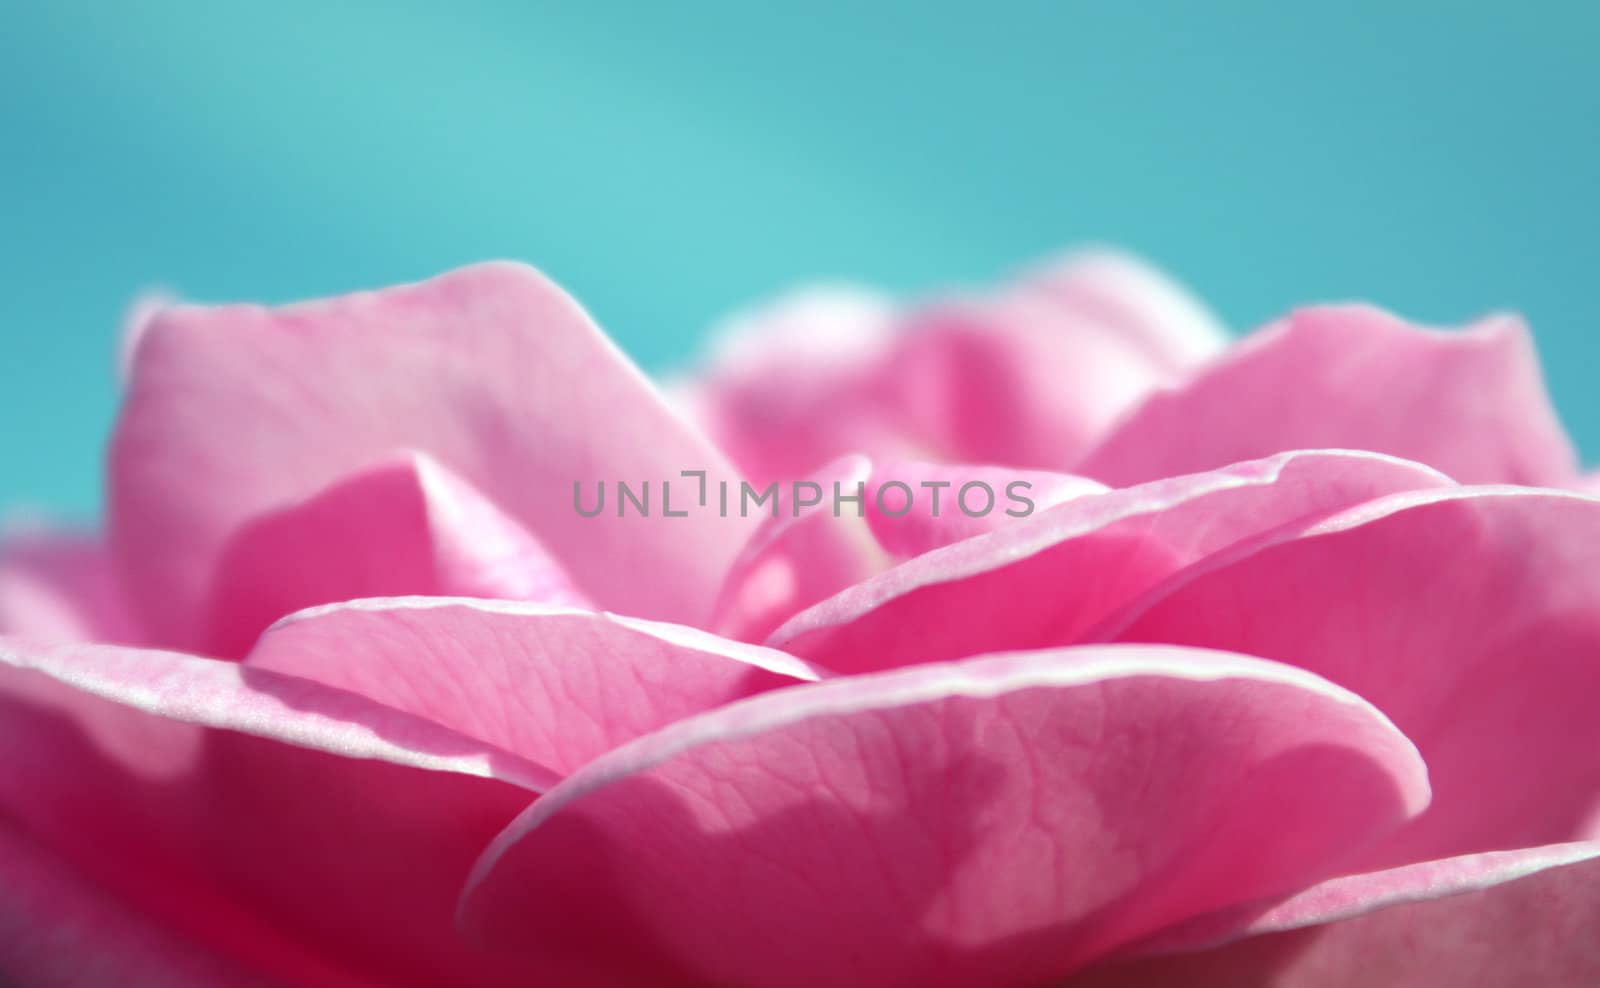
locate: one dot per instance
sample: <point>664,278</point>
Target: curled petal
<point>993,822</point>
<point>936,505</point>
<point>557,686</point>
<point>1467,615</point>
<point>291,827</point>
<point>1047,579</point>
<point>235,411</point>
<point>404,526</point>
<point>1514,918</point>
<point>801,554</point>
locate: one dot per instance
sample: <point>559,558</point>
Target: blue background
<point>670,161</point>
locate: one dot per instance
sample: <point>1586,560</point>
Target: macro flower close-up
<point>1034,636</point>
<point>843,495</point>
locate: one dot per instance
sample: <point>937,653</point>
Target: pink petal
<point>288,826</point>
<point>795,385</point>
<point>57,931</point>
<point>1467,615</point>
<point>239,410</point>
<point>801,555</point>
<point>555,685</point>
<point>1029,376</point>
<point>1160,317</point>
<point>1045,579</point>
<point>1471,404</point>
<point>1013,379</point>
<point>404,526</point>
<point>136,322</point>
<point>994,822</point>
<point>61,586</point>
<point>1514,918</point>
<point>1034,375</point>
<point>936,505</point>
<point>1364,892</point>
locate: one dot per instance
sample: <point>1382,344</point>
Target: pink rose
<point>1288,673</point>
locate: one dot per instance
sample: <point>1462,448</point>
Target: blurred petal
<point>1470,403</point>
<point>795,385</point>
<point>1046,579</point>
<point>1467,615</point>
<point>993,822</point>
<point>136,322</point>
<point>555,685</point>
<point>1029,376</point>
<point>404,526</point>
<point>238,410</point>
<point>292,827</point>
<point>1013,380</point>
<point>1515,922</point>
<point>1168,324</point>
<point>61,586</point>
<point>1033,376</point>
<point>57,931</point>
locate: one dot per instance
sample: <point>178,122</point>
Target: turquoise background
<point>670,161</point>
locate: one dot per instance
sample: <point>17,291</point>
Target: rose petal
<point>933,505</point>
<point>800,554</point>
<point>1045,579</point>
<point>291,827</point>
<point>557,686</point>
<point>1471,403</point>
<point>1013,379</point>
<point>1588,483</point>
<point>793,386</point>
<point>1034,375</point>
<point>1509,927</point>
<point>56,931</point>
<point>1029,376</point>
<point>1171,327</point>
<point>1354,895</point>
<point>61,586</point>
<point>136,322</point>
<point>992,822</point>
<point>404,526</point>
<point>238,410</point>
<point>1467,615</point>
